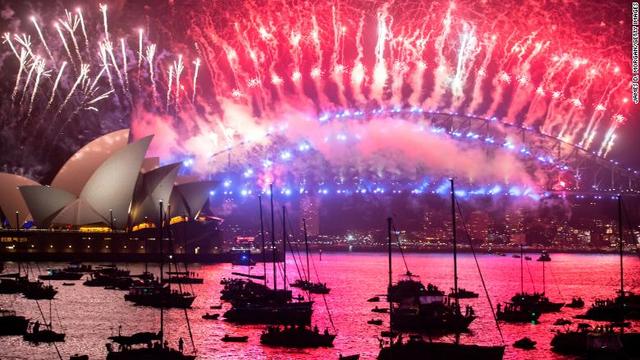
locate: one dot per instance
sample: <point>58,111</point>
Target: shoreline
<point>228,257</point>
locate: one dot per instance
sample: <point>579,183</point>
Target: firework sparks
<point>55,85</point>
<point>170,77</point>
<point>84,71</point>
<point>64,42</point>
<point>275,66</point>
<point>44,42</point>
<point>196,63</point>
<point>40,71</point>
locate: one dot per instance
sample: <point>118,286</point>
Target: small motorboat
<point>576,303</point>
<point>375,322</point>
<point>380,310</point>
<point>463,294</point>
<point>562,321</point>
<point>59,274</point>
<point>515,256</point>
<point>68,284</point>
<point>544,256</point>
<point>215,307</point>
<point>374,299</point>
<point>349,357</point>
<point>388,334</point>
<point>527,257</point>
<point>296,337</point>
<point>78,267</point>
<point>208,316</point>
<point>525,343</point>
<point>43,336</point>
<point>228,338</point>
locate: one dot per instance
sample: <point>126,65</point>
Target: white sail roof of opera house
<point>153,186</point>
<point>79,212</point>
<point>109,191</point>
<point>113,181</point>
<point>75,173</point>
<point>45,202</point>
<point>10,198</point>
<point>189,198</point>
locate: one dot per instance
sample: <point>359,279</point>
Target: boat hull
<point>44,336</point>
<point>298,341</point>
<point>62,276</point>
<point>165,301</point>
<point>425,323</point>
<point>13,325</point>
<point>149,354</point>
<point>441,351</point>
<point>290,313</point>
<point>183,281</point>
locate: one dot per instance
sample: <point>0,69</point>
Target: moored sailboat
<point>415,307</point>
<point>418,348</point>
<point>525,307</point>
<point>157,293</point>
<point>268,306</point>
<point>603,341</point>
<point>148,345</point>
<point>307,284</point>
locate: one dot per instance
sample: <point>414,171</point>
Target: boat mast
<point>264,260</point>
<point>389,224</point>
<point>146,257</point>
<point>521,269</point>
<point>306,248</point>
<point>621,244</point>
<point>284,247</point>
<point>273,240</point>
<point>455,244</point>
<point>161,270</point>
<point>544,279</point>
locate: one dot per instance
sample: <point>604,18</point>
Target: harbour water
<point>88,315</point>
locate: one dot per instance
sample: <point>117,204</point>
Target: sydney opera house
<point>107,203</point>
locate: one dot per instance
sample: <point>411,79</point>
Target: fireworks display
<point>321,94</point>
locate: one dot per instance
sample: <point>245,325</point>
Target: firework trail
<point>270,64</point>
<point>84,30</point>
<point>40,71</point>
<point>108,48</point>
<point>55,85</point>
<point>64,42</point>
<point>44,42</point>
<point>150,52</point>
<point>140,55</point>
<point>196,63</point>
<point>103,10</point>
<point>34,64</point>
<point>6,39</point>
<point>71,24</point>
<point>84,71</point>
<point>125,66</point>
<point>22,58</point>
<point>170,77</point>
<point>179,67</point>
<point>105,63</point>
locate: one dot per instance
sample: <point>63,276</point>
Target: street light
<point>17,220</point>
<point>111,218</point>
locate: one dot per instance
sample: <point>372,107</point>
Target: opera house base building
<point>109,203</point>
